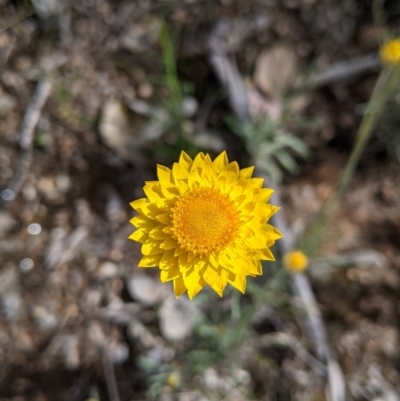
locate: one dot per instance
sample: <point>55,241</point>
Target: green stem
<point>368,123</point>
<point>383,86</point>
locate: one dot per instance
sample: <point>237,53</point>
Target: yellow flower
<point>390,52</point>
<point>173,380</point>
<point>205,222</point>
<point>295,261</point>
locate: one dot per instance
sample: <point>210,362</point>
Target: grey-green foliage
<point>214,343</point>
<point>270,145</point>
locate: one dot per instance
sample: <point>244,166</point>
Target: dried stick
<point>25,140</point>
<point>344,70</point>
<point>97,335</point>
<point>233,82</point>
<point>33,112</point>
<point>109,375</point>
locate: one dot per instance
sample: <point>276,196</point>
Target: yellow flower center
<point>204,221</point>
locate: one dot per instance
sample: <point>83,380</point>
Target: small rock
<point>389,342</point>
<point>119,353</point>
<point>145,90</point>
<point>276,70</point>
<point>44,319</point>
<point>63,182</point>
<point>6,222</point>
<point>108,270</point>
<point>116,131</point>
<point>189,106</point>
<point>7,102</point>
<point>10,293</point>
<point>23,62</point>
<point>29,192</point>
<point>211,379</point>
<point>92,298</point>
<point>145,289</point>
<point>177,318</point>
<point>71,351</point>
<point>47,186</point>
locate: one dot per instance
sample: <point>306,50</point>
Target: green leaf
<point>287,161</point>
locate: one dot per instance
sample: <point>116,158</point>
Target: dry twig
<point>28,126</point>
<point>96,334</point>
<point>109,375</point>
<point>344,70</point>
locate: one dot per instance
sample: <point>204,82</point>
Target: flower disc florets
<point>205,222</point>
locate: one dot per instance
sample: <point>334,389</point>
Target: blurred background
<point>95,93</point>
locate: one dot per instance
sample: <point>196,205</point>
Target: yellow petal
<point>164,218</point>
<point>217,280</point>
<point>255,182</point>
<point>198,162</point>
<point>233,167</point>
<point>192,282</point>
<point>158,233</point>
<point>246,172</point>
<point>153,191</point>
<point>256,242</point>
<point>220,162</point>
<point>139,203</point>
<point>227,180</point>
<point>238,281</point>
<point>264,194</point>
<point>179,251</point>
<point>170,191</point>
<point>183,186</point>
<point>168,261</point>
<point>143,223</point>
<point>170,274</point>
<point>199,263</point>
<point>265,254</point>
<point>184,264</point>
<point>254,268</point>
<point>164,174</point>
<point>179,172</point>
<point>150,261</point>
<point>185,161</point>
<point>179,286</point>
<point>271,232</point>
<point>139,236</point>
<point>151,247</point>
<point>168,243</point>
<point>207,173</point>
<point>194,180</point>
<point>193,291</point>
<point>214,261</point>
